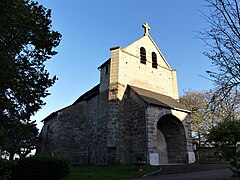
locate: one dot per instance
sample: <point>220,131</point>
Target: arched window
<point>154,60</point>
<point>143,55</point>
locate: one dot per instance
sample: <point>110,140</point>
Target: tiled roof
<point>88,95</point>
<point>105,63</point>
<point>85,97</point>
<point>158,99</point>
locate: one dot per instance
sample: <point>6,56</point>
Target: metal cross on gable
<point>146,28</point>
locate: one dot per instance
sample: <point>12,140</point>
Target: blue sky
<point>90,28</point>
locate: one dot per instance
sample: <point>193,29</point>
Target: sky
<point>90,28</point>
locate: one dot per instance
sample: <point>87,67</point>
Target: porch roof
<point>157,99</point>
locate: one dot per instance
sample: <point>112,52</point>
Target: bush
<point>6,168</point>
<point>228,151</point>
<point>41,167</point>
<point>236,163</point>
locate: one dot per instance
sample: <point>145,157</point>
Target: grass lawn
<point>108,172</point>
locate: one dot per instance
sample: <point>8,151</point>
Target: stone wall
<point>116,126</point>
<point>175,129</point>
<point>64,130</point>
<point>98,131</point>
<point>206,152</point>
<point>132,128</point>
<point>104,77</point>
<point>100,145</point>
<point>78,132</point>
<point>126,69</point>
<point>46,135</point>
<point>126,137</point>
<point>188,133</point>
<point>103,131</point>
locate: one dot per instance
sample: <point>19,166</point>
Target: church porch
<point>168,136</point>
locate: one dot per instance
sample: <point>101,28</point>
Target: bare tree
<point>222,38</point>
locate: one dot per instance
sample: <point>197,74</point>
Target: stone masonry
<point>133,112</point>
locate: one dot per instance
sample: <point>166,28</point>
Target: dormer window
<point>154,60</point>
<point>143,58</point>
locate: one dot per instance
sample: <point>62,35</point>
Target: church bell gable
<point>149,45</point>
<point>142,64</point>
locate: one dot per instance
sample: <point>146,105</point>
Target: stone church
<point>132,113</point>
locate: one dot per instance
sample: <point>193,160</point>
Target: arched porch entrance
<point>171,140</point>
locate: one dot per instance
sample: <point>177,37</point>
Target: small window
<point>106,69</point>
<point>143,55</point>
<point>154,60</point>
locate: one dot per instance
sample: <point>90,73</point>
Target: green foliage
<point>236,163</point>
<point>228,151</point>
<point>26,43</point>
<point>225,133</point>
<point>21,139</point>
<point>6,168</point>
<point>197,103</point>
<point>236,172</point>
<point>207,111</point>
<point>201,119</point>
<point>41,167</point>
<point>238,151</point>
<point>35,167</point>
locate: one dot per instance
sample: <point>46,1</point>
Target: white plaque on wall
<point>154,159</point>
<point>191,157</point>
